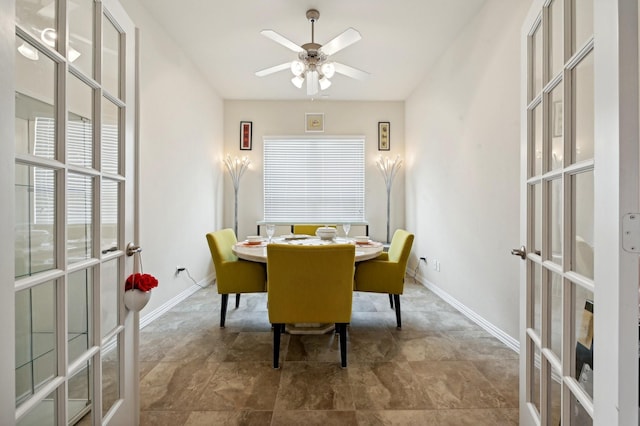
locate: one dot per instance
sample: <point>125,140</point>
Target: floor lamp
<point>236,168</point>
<point>389,168</point>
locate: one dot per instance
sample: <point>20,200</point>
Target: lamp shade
<point>297,81</point>
<point>324,83</point>
<point>328,70</point>
<point>297,68</point>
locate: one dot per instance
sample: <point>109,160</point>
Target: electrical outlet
<point>434,264</point>
<point>438,266</point>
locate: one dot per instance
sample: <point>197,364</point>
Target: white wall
<point>281,118</point>
<point>180,144</point>
<point>462,188</point>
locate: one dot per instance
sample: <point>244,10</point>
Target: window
<point>317,180</point>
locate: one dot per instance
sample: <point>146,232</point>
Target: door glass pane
<point>536,155</point>
<point>584,338</point>
<point>556,30</point>
<point>43,414</point>
<point>110,58</point>
<point>80,312</point>
<point>79,217</point>
<point>35,339</point>
<point>35,220</point>
<point>555,293</point>
<point>109,213</point>
<point>579,416</point>
<point>536,62</point>
<point>110,376</point>
<point>110,133</point>
<point>81,41</point>
<point>35,102</point>
<point>555,403</point>
<point>38,18</point>
<point>556,127</point>
<point>537,297</point>
<point>582,22</point>
<point>109,302</point>
<point>583,110</point>
<point>537,219</point>
<point>555,221</point>
<point>80,396</point>
<point>535,380</point>
<point>582,261</point>
<point>80,125</point>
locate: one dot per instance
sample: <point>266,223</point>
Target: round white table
<point>258,252</point>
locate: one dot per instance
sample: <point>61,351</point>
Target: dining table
<point>256,251</point>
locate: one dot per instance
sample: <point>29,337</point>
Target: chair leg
<point>391,300</point>
<point>223,309</point>
<point>342,329</point>
<point>237,300</point>
<point>277,329</point>
<point>396,298</point>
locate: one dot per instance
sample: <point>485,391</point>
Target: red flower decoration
<point>142,282</point>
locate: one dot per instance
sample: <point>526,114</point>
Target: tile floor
<point>440,369</point>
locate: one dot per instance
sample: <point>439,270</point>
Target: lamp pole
<point>236,168</point>
<point>389,168</point>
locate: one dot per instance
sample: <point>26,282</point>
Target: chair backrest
<point>220,244</point>
<point>312,284</point>
<point>400,248</point>
<point>307,228</point>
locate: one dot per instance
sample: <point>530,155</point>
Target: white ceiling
<point>401,40</point>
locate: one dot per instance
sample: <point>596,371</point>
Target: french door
<point>72,203</point>
<point>579,296</point>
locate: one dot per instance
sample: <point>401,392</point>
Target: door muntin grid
<point>58,101</point>
<point>560,213</point>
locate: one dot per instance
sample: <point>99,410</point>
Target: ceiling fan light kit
<point>313,65</point>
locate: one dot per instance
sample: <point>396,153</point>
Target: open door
<point>72,198</point>
<point>579,282</point>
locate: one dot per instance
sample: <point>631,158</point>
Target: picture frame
<point>314,122</point>
<point>246,135</point>
<point>384,136</point>
<point>557,119</point>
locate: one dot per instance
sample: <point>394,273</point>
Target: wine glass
<point>346,227</point>
<point>271,229</point>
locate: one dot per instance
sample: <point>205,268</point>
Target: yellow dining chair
<point>233,275</point>
<point>306,228</point>
<point>310,284</point>
<point>385,273</point>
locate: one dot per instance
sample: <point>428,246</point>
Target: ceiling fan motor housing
<point>313,15</point>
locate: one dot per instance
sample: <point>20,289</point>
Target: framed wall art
<point>245,135</point>
<point>384,136</point>
<point>314,122</point>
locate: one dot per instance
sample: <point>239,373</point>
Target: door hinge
<point>631,232</point>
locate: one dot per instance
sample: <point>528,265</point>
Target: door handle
<point>133,249</point>
<point>110,249</point>
<point>522,252</point>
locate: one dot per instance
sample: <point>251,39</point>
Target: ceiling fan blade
<point>273,69</point>
<point>279,38</point>
<point>350,71</point>
<point>347,38</point>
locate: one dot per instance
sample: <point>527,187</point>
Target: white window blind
<point>314,180</point>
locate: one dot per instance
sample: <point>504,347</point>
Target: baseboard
<point>153,315</point>
<point>499,334</point>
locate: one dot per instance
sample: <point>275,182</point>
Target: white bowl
<point>254,238</point>
<point>361,239</point>
<point>326,233</point>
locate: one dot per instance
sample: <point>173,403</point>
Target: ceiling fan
<point>313,64</point>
